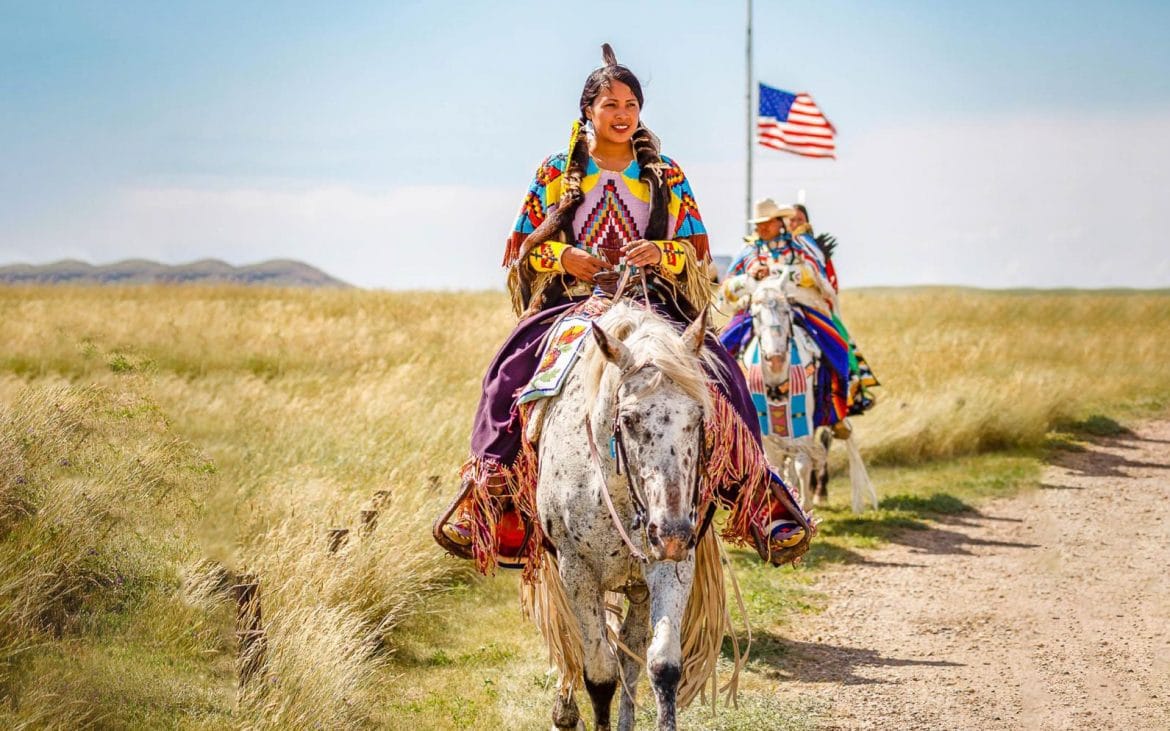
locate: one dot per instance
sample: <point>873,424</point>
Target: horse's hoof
<point>565,714</point>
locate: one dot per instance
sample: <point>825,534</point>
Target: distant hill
<point>274,273</point>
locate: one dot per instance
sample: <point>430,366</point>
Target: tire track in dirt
<point>1049,610</point>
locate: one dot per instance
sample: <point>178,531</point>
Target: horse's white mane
<point>652,340</point>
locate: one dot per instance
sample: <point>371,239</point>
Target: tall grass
<point>97,497</point>
<point>303,403</point>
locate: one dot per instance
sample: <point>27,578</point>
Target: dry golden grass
<point>306,402</point>
<point>966,371</point>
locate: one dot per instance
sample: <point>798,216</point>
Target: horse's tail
<point>545,602</point>
<point>705,623</point>
<point>863,490</point>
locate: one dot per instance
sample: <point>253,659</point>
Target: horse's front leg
<point>670,586</point>
<point>635,636</point>
<point>601,671</point>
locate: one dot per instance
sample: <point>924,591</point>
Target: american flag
<point>794,123</point>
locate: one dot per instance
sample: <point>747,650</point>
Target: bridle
<point>622,462</point>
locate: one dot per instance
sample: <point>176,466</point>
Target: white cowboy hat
<point>767,209</point>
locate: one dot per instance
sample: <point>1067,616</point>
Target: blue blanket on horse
<point>737,333</point>
<point>834,348</point>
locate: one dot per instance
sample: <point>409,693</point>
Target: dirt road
<point>1046,611</point>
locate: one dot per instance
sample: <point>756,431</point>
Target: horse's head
<point>660,403</point>
<point>772,320</point>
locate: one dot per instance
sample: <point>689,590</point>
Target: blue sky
<point>992,143</point>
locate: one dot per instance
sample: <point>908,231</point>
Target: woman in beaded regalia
<point>611,200</point>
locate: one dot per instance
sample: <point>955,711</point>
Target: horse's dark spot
<point>615,552</point>
<point>548,526</point>
<point>672,451</point>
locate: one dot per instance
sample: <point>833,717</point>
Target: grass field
<point>147,433</point>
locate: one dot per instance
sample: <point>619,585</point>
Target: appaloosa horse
<point>621,453</point>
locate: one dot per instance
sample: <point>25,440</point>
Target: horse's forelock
<point>653,341</point>
<point>770,289</point>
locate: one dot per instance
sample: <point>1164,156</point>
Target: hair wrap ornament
<point>573,138</point>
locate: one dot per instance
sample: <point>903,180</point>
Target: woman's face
<point>614,113</point>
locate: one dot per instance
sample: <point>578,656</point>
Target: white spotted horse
<point>621,495</point>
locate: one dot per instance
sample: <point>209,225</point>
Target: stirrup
<point>439,529</point>
<point>782,540</point>
<point>842,429</point>
<point>776,541</point>
<point>459,541</point>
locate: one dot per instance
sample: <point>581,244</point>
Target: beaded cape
<point>615,209</point>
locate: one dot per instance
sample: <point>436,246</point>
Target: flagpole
<point>748,102</point>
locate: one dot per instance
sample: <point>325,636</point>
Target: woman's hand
<point>582,265</point>
<point>642,253</point>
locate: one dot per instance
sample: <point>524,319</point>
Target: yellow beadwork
<point>674,256</point>
<point>546,257</point>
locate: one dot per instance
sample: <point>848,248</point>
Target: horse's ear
<point>614,350</point>
<point>696,332</point>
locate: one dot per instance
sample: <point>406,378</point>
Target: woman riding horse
<point>610,203</point>
<point>784,237</point>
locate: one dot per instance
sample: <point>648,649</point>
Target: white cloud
<point>1006,203</point>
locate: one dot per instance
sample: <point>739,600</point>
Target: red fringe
<point>739,467</point>
<point>485,509</point>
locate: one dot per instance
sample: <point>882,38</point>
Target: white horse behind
<point>640,395</point>
<point>804,458</point>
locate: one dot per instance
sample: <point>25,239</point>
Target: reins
<point>617,521</point>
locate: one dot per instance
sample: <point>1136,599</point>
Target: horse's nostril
<point>652,533</point>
